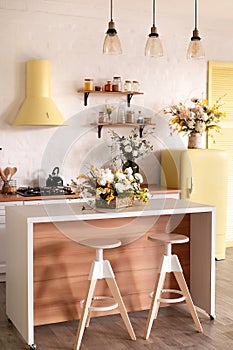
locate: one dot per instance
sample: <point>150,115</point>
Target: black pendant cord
<point>195,14</point>
<point>154,13</point>
<point>111,11</point>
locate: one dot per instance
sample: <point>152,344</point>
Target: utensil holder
<point>9,187</point>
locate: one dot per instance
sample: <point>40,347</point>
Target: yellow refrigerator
<point>202,177</point>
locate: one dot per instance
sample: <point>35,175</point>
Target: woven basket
<point>116,203</point>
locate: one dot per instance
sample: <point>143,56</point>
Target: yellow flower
<point>83,176</point>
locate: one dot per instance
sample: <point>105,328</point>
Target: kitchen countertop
<point>74,211</point>
<point>16,197</point>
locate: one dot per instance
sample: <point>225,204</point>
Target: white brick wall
<point>70,34</point>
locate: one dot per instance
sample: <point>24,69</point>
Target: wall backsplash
<point>70,35</point>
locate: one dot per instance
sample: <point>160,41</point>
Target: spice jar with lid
<point>140,118</point>
<point>130,116</point>
<point>102,117</point>
<point>108,86</point>
<point>135,86</point>
<point>88,84</point>
<point>116,84</point>
<point>128,85</point>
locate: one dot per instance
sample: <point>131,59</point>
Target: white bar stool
<point>170,263</point>
<point>101,269</point>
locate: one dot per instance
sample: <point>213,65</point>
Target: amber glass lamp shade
<point>195,49</point>
<point>153,45</point>
<point>112,45</point>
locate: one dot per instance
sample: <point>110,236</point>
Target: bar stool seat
<point>170,263</point>
<point>101,269</point>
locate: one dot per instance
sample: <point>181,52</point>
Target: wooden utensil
<point>12,172</point>
<point>7,172</point>
<point>3,176</point>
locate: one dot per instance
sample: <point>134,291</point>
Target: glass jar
<point>88,84</point>
<point>121,114</point>
<point>128,85</point>
<point>140,118</point>
<point>130,117</point>
<point>116,84</point>
<point>135,86</point>
<point>102,117</point>
<point>108,86</point>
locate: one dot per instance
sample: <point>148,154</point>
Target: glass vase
<point>197,140</point>
<point>131,164</point>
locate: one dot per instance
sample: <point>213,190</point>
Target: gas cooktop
<point>44,191</point>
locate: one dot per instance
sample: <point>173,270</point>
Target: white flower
<point>120,176</point>
<point>135,154</point>
<point>128,149</point>
<point>127,185</point>
<point>200,127</point>
<point>129,171</point>
<point>138,177</point>
<point>125,142</point>
<point>104,176</point>
<point>136,186</point>
<point>120,188</point>
<point>130,177</point>
<point>191,124</point>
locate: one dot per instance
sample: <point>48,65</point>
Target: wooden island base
<point>61,268</point>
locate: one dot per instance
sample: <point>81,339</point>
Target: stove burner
<point>44,191</point>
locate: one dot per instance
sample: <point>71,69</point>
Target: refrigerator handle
<point>190,185</point>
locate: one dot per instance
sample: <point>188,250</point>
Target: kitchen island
<point>17,199</point>
<point>47,270</point>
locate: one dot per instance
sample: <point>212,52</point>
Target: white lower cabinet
<point>3,232</point>
<point>3,236</point>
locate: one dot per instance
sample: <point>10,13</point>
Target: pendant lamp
<point>112,45</point>
<point>153,45</point>
<point>195,49</point>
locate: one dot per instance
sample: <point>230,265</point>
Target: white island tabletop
<point>74,211</point>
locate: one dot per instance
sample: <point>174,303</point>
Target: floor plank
<point>174,328</point>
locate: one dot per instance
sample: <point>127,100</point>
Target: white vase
<point>197,140</point>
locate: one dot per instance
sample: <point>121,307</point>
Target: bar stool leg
<point>183,286</point>
<point>85,313</point>
<point>117,296</point>
<point>155,300</point>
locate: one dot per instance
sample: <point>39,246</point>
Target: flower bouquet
<point>196,118</point>
<point>113,189</point>
<point>131,147</point>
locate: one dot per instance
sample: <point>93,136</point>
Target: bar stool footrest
<point>170,300</point>
<point>101,308</point>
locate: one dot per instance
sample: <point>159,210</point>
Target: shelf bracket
<point>129,96</point>
<point>86,94</point>
<point>99,131</point>
<point>141,128</point>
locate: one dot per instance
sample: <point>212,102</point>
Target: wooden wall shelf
<point>139,126</point>
<point>129,94</point>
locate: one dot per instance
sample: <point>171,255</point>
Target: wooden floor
<point>174,328</point>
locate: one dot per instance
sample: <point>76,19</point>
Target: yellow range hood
<point>38,107</point>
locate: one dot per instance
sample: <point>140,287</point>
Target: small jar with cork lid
<point>88,84</point>
<point>108,86</point>
<point>128,85</point>
<point>116,84</point>
<point>135,86</point>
